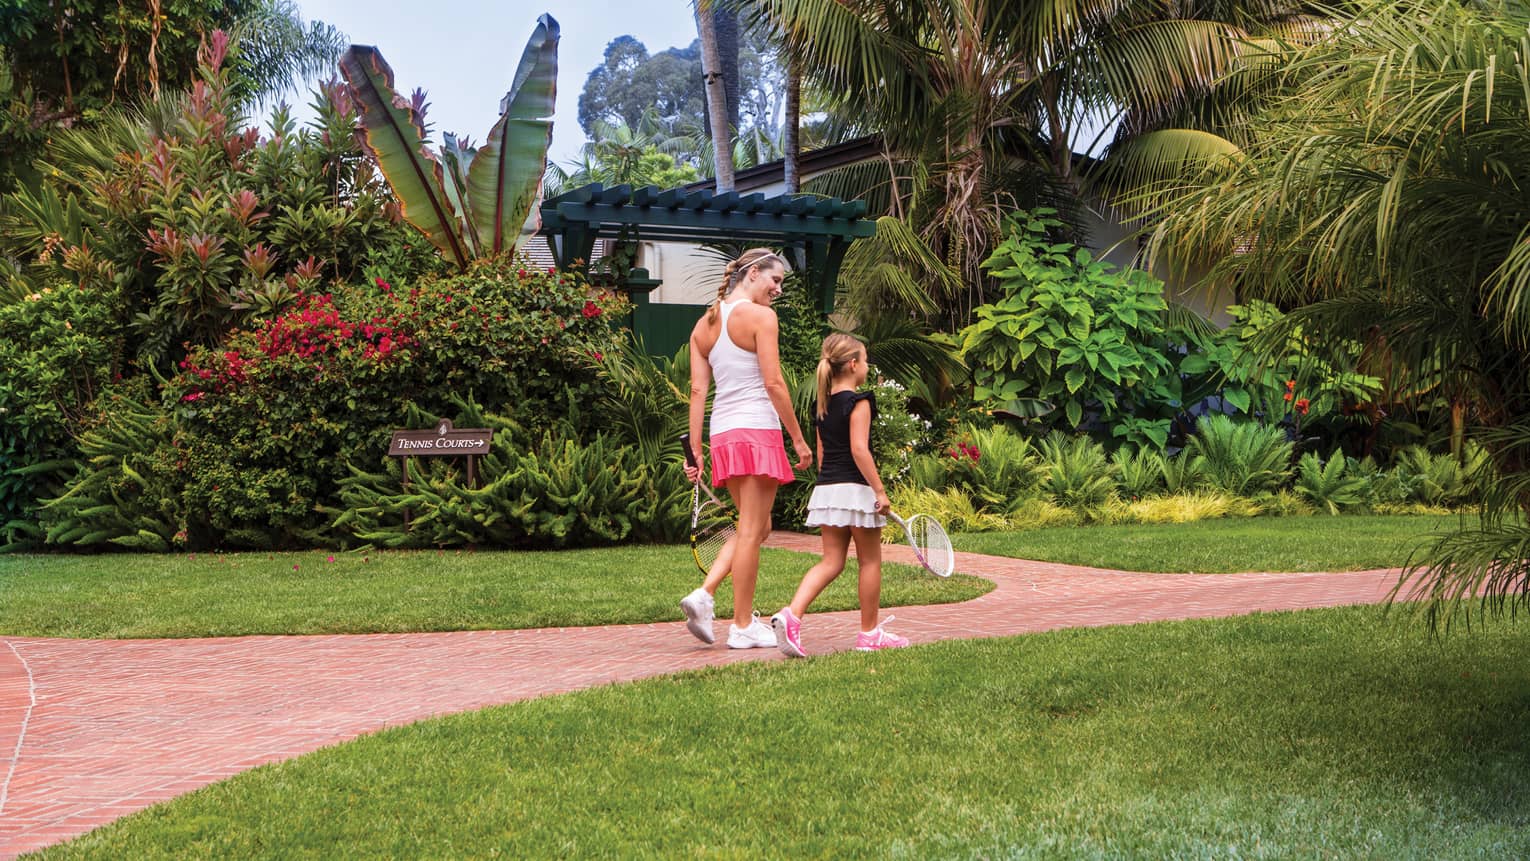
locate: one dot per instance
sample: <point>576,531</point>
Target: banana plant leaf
<point>395,135</point>
<point>505,178</point>
<point>456,158</point>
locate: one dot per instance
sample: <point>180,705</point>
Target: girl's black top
<point>834,434</point>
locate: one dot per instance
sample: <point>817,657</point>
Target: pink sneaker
<point>871,641</point>
<point>788,632</point>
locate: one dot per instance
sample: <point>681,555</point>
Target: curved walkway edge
<point>92,730</point>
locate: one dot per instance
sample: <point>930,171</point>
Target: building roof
<point>809,164</point>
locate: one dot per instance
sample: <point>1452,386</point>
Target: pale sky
<point>464,52</point>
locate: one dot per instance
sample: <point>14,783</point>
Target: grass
<point>1348,543</point>
<point>207,595</point>
<point>1331,733</point>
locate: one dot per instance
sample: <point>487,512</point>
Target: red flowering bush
<point>274,417</point>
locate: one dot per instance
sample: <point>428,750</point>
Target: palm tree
<point>1386,196</point>
<point>275,51</point>
<point>983,99</point>
<point>717,98</point>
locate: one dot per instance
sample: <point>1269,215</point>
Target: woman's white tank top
<point>741,401</point>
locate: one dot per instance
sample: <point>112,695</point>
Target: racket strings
<point>933,544</point>
<point>708,543</point>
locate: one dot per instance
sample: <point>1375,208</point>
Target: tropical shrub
<point>59,348</point>
<point>200,225</point>
<point>1139,472</point>
<point>128,489</point>
<point>543,490</point>
<point>1271,371</point>
<point>1331,486</point>
<point>1239,458</point>
<point>1071,336</point>
<point>1076,474</point>
<point>270,421</point>
<point>1442,479</point>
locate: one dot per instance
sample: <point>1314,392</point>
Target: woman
<point>735,342</point>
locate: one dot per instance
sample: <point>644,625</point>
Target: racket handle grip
<point>685,445</point>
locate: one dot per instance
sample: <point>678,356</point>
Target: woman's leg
<point>868,553</point>
<point>720,566</point>
<point>754,495</point>
<point>723,564</point>
<point>836,545</point>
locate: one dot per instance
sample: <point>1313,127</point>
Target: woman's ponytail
<point>723,289</point>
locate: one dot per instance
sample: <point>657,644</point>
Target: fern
<point>647,399</point>
<point>1180,474</point>
<point>1006,472</point>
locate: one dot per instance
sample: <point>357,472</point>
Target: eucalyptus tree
<point>1386,197</point>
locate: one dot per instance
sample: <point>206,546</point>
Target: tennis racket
<point>930,543</point>
<point>712,520</point>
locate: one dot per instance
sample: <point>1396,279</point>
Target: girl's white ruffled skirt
<point>844,505</point>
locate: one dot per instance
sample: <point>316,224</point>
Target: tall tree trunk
<point>725,25</point>
<point>717,101</point>
<point>789,127</point>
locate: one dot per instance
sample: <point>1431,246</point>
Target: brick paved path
<point>92,730</point>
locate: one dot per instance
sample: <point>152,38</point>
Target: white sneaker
<point>697,608</point>
<point>757,636</point>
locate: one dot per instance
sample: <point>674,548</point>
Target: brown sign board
<point>442,440</point>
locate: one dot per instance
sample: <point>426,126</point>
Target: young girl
<point>849,501</point>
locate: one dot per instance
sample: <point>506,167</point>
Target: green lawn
<point>1321,734</point>
<point>1222,546</point>
<point>206,595</point>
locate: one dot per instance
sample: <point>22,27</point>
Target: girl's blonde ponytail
<point>839,350</point>
<point>825,377</point>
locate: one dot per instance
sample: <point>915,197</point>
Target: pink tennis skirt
<point>747,451</point>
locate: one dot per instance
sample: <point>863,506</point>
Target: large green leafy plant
<point>1072,335</point>
<point>469,201</point>
<point>539,490</point>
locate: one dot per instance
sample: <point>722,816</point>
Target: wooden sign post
<point>441,441</point>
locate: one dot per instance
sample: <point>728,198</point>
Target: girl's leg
<point>836,545</point>
<point>754,495</point>
<point>868,553</point>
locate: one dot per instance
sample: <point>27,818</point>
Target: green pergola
<point>814,231</point>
